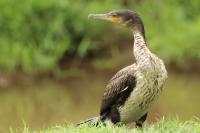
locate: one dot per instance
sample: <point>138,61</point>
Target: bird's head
<point>125,18</point>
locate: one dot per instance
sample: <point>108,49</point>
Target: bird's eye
<point>114,15</point>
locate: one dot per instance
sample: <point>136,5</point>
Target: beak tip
<point>90,16</point>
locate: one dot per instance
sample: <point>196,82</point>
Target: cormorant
<point>133,89</point>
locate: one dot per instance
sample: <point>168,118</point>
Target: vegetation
<point>38,35</point>
<point>171,126</point>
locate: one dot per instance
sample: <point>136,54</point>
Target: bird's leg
<point>140,122</point>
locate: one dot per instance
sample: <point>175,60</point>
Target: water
<point>48,101</point>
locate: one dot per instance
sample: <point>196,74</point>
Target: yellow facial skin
<point>116,20</point>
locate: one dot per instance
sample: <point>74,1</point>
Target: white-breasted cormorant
<point>132,90</point>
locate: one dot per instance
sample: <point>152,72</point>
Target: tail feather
<point>92,121</point>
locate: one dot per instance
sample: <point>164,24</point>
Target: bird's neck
<point>140,50</point>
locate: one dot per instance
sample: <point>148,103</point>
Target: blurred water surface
<point>47,102</point>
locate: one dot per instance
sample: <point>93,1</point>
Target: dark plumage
<point>116,93</point>
<point>130,19</point>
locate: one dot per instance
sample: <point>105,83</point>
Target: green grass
<point>163,126</point>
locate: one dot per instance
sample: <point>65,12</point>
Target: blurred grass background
<point>38,35</point>
<point>54,61</point>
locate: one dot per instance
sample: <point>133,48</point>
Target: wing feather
<point>118,89</point>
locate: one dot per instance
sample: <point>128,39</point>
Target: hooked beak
<point>106,17</point>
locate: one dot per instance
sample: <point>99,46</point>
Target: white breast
<point>150,78</point>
